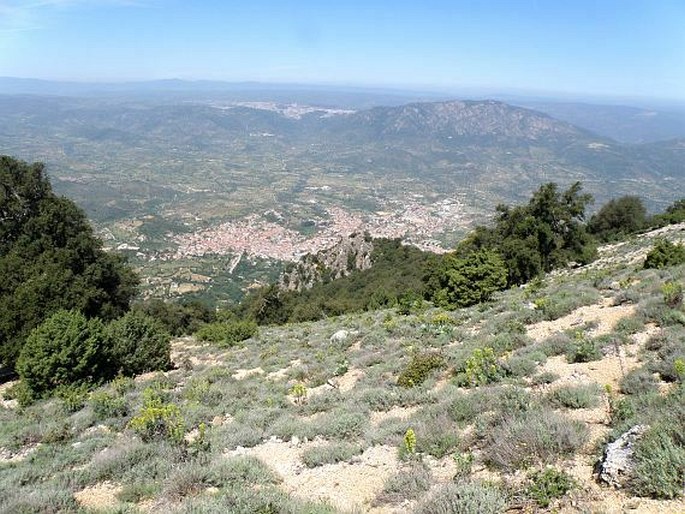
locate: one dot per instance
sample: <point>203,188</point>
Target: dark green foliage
<point>544,234</point>
<point>464,281</point>
<point>397,272</point>
<point>675,213</point>
<point>50,259</point>
<point>227,333</point>
<point>67,348</point>
<point>549,484</point>
<point>178,318</point>
<point>419,368</point>
<point>664,253</point>
<point>617,218</point>
<point>137,344</point>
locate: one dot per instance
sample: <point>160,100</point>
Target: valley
<point>231,188</point>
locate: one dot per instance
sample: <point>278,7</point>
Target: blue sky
<point>611,47</point>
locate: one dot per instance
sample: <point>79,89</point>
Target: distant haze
<point>613,48</point>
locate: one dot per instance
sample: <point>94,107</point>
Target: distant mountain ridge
<point>458,118</point>
<point>495,151</point>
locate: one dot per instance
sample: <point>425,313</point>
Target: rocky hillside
<point>503,407</point>
<point>350,253</point>
<point>464,120</point>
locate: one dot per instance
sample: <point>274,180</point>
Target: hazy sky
<point>614,47</point>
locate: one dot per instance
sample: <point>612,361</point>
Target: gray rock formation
<point>617,463</point>
<point>350,253</point>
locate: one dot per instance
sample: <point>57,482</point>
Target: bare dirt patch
<point>99,496</point>
<point>242,374</point>
<point>377,417</point>
<point>347,486</point>
<point>604,314</point>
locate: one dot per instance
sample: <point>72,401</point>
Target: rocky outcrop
<point>617,463</point>
<point>350,253</point>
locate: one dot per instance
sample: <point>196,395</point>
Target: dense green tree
<point>49,259</point>
<point>544,234</point>
<point>137,343</point>
<point>178,318</point>
<point>464,281</point>
<point>674,213</point>
<point>66,349</point>
<point>618,217</point>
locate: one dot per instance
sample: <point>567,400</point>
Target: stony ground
<point>348,368</point>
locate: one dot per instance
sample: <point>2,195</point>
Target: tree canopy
<point>50,259</point>
<point>546,233</point>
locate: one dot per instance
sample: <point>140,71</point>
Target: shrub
<point>532,437</point>
<point>465,498</point>
<point>583,349</point>
<point>638,381</point>
<point>520,366</point>
<point>480,368</point>
<point>660,466</point>
<point>618,217</point>
<point>158,419</point>
<point>65,349</point>
<point>227,333</point>
<point>330,454</point>
<point>663,254</point>
<point>418,369</point>
<point>159,422</point>
<point>342,424</point>
<point>138,344</point>
<point>407,484</point>
<point>673,294</point>
<point>106,405</point>
<point>73,396</point>
<point>549,484</point>
<point>575,397</point>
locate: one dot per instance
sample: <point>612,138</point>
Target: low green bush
<point>660,465</point>
<point>330,454</point>
<point>107,405</point>
<point>158,419</point>
<point>465,498</point>
<point>664,254</point>
<point>575,397</point>
<point>583,349</point>
<point>159,422</point>
<point>419,368</point>
<point>638,381</point>
<point>73,397</point>
<point>547,485</point>
<point>479,369</point>
<point>407,484</point>
<point>227,333</point>
<point>532,437</point>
